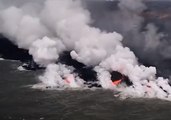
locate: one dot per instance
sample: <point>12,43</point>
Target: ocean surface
<point>18,101</point>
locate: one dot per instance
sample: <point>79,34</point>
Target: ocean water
<point>18,101</point>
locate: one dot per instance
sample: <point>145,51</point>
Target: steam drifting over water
<point>51,27</point>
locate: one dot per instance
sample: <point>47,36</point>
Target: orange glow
<point>117,82</point>
<point>69,78</point>
<point>67,81</point>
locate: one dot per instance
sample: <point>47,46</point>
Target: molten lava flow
<point>70,80</point>
<point>116,78</point>
<point>117,82</point>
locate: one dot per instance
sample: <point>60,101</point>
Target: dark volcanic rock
<point>10,51</point>
<point>115,75</point>
<point>85,72</point>
<point>31,65</point>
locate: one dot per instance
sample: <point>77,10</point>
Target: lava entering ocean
<point>60,37</point>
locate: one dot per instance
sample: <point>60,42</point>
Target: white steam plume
<point>58,76</point>
<point>65,25</point>
<point>140,23</point>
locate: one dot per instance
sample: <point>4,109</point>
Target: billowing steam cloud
<point>145,42</point>
<point>142,25</point>
<point>63,25</point>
